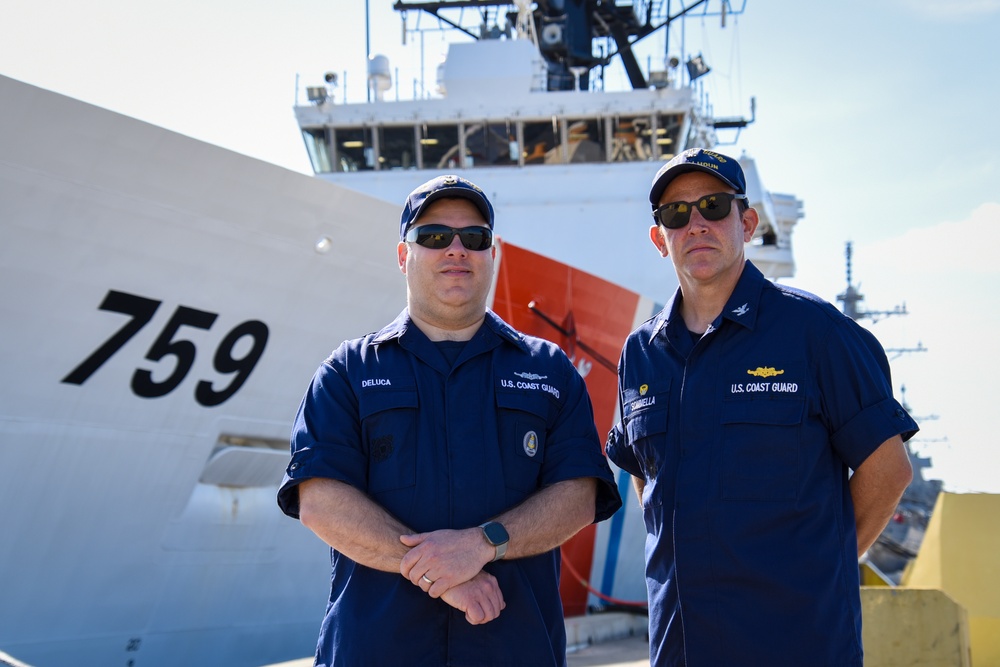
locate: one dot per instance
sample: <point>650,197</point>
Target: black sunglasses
<point>441,236</point>
<point>676,214</point>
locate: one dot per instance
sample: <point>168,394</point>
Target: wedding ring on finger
<point>424,578</point>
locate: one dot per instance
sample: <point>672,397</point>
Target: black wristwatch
<point>497,536</point>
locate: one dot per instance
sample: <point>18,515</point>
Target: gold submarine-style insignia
<point>768,372</point>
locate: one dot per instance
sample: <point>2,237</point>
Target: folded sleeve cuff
<point>327,460</point>
<point>863,434</point>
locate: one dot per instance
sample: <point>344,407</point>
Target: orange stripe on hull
<point>589,318</point>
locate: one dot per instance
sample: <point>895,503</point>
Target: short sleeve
<point>620,453</point>
<point>326,437</point>
<point>574,448</point>
<point>858,405</point>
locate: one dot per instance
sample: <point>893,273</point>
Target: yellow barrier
<point>960,556</point>
<point>908,627</point>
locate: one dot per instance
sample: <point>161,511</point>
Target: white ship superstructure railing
<point>491,117</point>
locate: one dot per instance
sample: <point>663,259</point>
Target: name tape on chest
<point>642,402</point>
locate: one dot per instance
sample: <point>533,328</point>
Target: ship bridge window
<point>584,140</point>
<point>318,147</point>
<point>666,132</point>
<point>490,145</point>
<point>630,139</point>
<point>397,148</point>
<point>438,146</point>
<point>541,142</point>
<point>355,150</point>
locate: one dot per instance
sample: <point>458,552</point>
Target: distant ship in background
<point>165,303</point>
<point>899,543</point>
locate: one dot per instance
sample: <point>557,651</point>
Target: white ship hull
<point>142,530</point>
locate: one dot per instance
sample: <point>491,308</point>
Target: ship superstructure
<point>523,110</point>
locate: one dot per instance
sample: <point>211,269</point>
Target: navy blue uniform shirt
<point>438,447</point>
<point>744,438</point>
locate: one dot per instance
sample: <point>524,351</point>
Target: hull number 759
<point>141,310</point>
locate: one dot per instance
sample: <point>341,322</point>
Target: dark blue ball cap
<point>443,187</point>
<point>723,167</point>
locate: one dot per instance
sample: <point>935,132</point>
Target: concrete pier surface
<point>612,639</point>
<point>631,652</point>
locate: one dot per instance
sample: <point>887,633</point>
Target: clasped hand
<point>449,564</point>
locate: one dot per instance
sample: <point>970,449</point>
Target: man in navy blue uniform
<point>744,405</point>
<point>444,459</point>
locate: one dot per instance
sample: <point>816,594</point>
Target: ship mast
<point>852,297</point>
<point>900,539</point>
<point>566,30</point>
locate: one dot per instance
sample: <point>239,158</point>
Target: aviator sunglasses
<point>441,236</point>
<point>676,214</point>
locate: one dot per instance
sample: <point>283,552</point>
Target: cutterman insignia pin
<point>766,372</point>
<point>643,389</point>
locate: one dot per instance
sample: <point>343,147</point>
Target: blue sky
<point>878,115</point>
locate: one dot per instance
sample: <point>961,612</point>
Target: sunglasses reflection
<point>713,207</point>
<point>438,237</point>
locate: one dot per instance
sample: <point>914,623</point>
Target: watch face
<point>495,533</point>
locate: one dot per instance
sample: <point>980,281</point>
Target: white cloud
<point>967,247</point>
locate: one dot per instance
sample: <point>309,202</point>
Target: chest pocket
<point>523,419</point>
<point>646,433</point>
<point>761,449</point>
<point>389,434</point>
<point>645,420</point>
